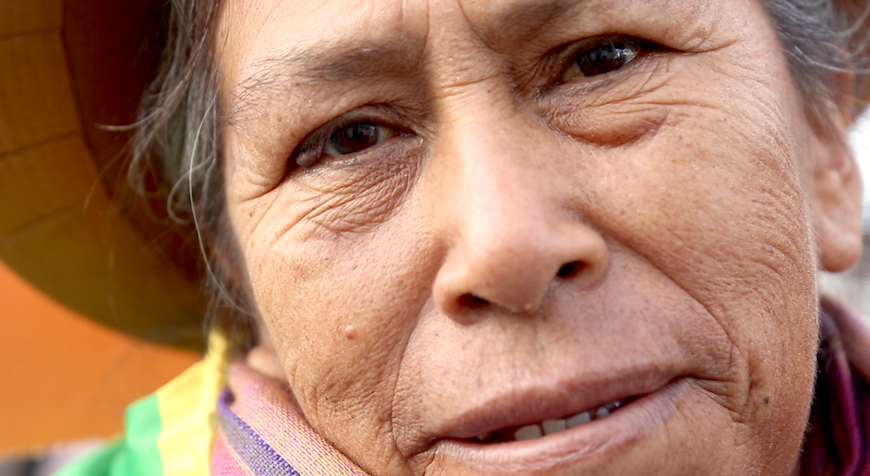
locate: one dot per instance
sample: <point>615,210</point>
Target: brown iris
<point>602,55</point>
<point>354,138</point>
<point>604,59</point>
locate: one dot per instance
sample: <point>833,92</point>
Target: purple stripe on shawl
<point>837,443</point>
<point>224,461</point>
<point>253,450</point>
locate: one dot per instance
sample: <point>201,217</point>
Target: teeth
<point>529,432</point>
<point>554,426</point>
<point>579,419</point>
<point>549,427</point>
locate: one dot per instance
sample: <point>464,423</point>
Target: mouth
<point>533,439</point>
<point>552,426</point>
<point>538,410</point>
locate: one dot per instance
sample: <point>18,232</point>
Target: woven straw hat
<point>69,68</point>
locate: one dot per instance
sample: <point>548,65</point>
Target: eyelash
<point>314,147</point>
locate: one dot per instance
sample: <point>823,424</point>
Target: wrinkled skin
<point>524,242</point>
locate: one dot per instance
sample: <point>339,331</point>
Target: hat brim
<point>69,68</point>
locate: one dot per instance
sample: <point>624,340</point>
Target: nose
<point>512,235</point>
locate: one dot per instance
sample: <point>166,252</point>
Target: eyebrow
<point>398,57</point>
<point>527,19</point>
<point>338,63</point>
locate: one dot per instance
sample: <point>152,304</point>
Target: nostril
<point>570,270</point>
<point>472,302</point>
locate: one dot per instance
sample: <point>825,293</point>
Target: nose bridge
<point>501,198</point>
<point>500,206</point>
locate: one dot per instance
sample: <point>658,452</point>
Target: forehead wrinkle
<point>524,20</point>
<point>317,70</point>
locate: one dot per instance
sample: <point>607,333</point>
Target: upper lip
<point>533,403</point>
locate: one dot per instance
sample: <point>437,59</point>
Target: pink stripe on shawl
<point>225,462</point>
<point>261,431</point>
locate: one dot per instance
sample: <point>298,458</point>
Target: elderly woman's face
<point>532,237</point>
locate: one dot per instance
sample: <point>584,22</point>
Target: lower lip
<point>581,443</point>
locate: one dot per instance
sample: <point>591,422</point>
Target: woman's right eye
<point>355,138</point>
<point>347,140</point>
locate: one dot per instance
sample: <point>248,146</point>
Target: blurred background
<point>65,381</point>
<point>853,287</point>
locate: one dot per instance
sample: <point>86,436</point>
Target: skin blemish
<point>350,332</point>
<point>766,400</point>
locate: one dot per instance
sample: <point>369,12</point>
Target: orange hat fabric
<point>68,68</point>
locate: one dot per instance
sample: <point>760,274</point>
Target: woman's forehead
<point>321,46</point>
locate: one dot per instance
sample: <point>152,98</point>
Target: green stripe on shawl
<point>169,433</point>
<point>143,425</point>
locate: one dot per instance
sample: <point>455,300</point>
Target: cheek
<point>710,202</point>
<point>339,287</point>
<point>719,208</point>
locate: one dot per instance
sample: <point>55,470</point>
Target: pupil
<point>355,138</point>
<point>601,60</point>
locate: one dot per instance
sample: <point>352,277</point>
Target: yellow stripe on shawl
<point>186,406</point>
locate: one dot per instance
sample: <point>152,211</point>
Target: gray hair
<point>824,41</point>
<point>177,142</point>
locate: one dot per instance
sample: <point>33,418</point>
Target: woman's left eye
<point>602,56</point>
